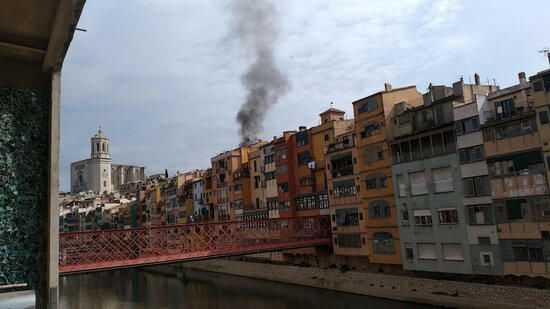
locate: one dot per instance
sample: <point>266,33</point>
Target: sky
<point>162,77</point>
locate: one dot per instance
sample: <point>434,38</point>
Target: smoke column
<point>256,25</point>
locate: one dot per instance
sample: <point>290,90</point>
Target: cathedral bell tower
<point>100,146</point>
<point>100,163</point>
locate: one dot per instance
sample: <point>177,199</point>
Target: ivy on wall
<point>23,186</point>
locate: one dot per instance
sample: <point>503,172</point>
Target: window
<point>443,179</point>
<point>537,86</point>
<point>344,188</point>
<point>477,186</point>
<point>404,213</point>
<point>269,176</point>
<point>373,154</point>
<point>323,201</point>
<point>347,217</point>
<point>409,254</point>
<point>269,159</point>
<point>528,253</point>
<point>306,203</point>
<point>370,129</point>
<point>383,243</point>
<point>283,187</point>
<point>505,108</point>
<point>281,169</point>
<point>369,106</point>
<point>470,154</point>
<point>467,125</point>
<point>543,117</point>
<point>418,182</point>
<point>514,209</point>
<point>447,215</point>
<point>422,217</point>
<point>280,154</point>
<point>349,241</point>
<point>484,240</point>
<point>325,137</point>
<point>301,138</point>
<point>305,182</point>
<point>401,186</point>
<point>104,183</point>
<point>376,181</point>
<point>480,214</point>
<point>452,252</point>
<point>426,251</point>
<point>303,158</point>
<point>255,167</point>
<point>379,209</point>
<point>486,258</point>
<point>545,208</point>
<point>256,182</point>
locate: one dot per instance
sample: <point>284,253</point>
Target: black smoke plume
<point>256,24</point>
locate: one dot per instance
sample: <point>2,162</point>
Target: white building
<point>98,174</point>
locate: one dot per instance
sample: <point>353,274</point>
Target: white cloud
<point>162,77</point>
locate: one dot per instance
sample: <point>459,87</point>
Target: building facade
<point>372,118</point>
<point>518,180</point>
<point>98,174</point>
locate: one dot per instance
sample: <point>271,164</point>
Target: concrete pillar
<point>53,193</point>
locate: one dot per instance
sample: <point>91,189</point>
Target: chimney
<point>476,78</point>
<point>302,128</point>
<point>387,86</point>
<point>521,76</point>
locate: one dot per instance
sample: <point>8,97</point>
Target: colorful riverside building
<point>540,84</point>
<point>481,228</point>
<point>518,180</point>
<point>227,181</point>
<point>372,118</point>
<point>348,225</point>
<point>428,180</point>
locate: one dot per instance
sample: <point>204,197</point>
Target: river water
<point>135,288</point>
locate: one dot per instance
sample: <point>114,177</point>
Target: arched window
<point>103,146</point>
<point>373,153</point>
<point>97,144</point>
<point>379,209</point>
<point>383,243</point>
<point>369,106</point>
<point>370,129</point>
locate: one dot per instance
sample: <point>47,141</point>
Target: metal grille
<point>95,250</point>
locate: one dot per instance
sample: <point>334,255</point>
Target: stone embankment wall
<point>411,289</point>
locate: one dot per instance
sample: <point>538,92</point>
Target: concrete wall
<point>437,233</point>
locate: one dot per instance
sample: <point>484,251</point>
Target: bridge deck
<point>100,250</point>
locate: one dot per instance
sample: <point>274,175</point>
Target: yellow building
<point>540,91</point>
<point>518,180</point>
<point>372,115</point>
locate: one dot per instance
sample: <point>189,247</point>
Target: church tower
<point>100,163</point>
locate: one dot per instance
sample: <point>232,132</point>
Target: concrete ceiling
<point>38,30</point>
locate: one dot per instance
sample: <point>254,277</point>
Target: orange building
<point>348,225</point>
<point>372,115</point>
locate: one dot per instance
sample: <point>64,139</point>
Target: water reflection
<point>134,288</point>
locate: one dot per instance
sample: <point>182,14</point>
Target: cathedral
<point>98,173</point>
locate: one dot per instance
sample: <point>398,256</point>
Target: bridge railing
<point>94,250</point>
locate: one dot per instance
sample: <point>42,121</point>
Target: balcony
<point>342,171</point>
<point>495,117</point>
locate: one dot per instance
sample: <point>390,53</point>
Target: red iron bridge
<point>111,249</point>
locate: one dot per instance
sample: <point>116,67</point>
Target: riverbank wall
<point>450,294</point>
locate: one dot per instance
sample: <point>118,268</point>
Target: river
<point>135,288</point>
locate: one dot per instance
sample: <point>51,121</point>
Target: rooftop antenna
<point>545,51</point>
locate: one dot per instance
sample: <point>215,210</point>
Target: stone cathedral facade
<point>98,173</point>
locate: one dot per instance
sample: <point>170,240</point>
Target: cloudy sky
<point>161,77</point>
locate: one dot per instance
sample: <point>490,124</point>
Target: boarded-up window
<point>452,252</point>
<point>419,185</point>
<point>443,179</point>
<point>426,252</point>
<point>401,186</point>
